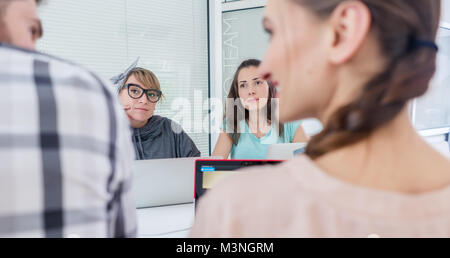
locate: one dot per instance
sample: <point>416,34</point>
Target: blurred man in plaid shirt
<point>65,153</point>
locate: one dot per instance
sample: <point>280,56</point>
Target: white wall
<point>446,11</point>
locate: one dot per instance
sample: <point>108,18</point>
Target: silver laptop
<point>163,182</point>
<point>285,151</point>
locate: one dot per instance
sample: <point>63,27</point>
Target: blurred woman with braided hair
<point>355,65</point>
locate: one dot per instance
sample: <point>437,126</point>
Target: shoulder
<point>169,124</point>
<point>261,176</point>
<point>161,119</point>
<point>290,129</point>
<point>292,126</point>
<point>261,187</point>
<point>66,78</point>
<point>254,201</point>
<point>86,104</point>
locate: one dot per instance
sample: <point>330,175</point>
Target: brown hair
<point>398,25</point>
<point>234,94</point>
<point>144,76</point>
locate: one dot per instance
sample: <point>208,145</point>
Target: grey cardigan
<point>158,140</point>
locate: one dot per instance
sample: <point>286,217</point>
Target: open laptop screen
<point>209,172</point>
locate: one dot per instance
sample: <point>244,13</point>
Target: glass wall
<point>170,37</point>
<point>243,38</point>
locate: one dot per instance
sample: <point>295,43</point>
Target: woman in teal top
<point>248,128</point>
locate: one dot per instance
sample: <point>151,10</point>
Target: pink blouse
<point>298,199</point>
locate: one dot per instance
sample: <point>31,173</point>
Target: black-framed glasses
<point>135,91</point>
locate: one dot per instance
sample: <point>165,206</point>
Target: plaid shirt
<point>65,151</point>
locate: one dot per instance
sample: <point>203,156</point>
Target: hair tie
<point>119,80</point>
<point>417,43</point>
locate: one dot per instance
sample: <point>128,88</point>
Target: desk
<point>166,222</point>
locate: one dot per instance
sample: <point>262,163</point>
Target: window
<point>433,110</point>
<point>170,37</point>
<point>243,38</point>
<point>446,11</point>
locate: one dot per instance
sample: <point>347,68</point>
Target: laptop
<point>285,151</point>
<point>163,182</point>
<point>209,172</point>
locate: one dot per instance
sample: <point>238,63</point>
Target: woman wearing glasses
<point>154,137</point>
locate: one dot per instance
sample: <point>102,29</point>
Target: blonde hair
<point>146,77</point>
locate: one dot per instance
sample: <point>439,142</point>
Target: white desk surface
<point>166,222</point>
